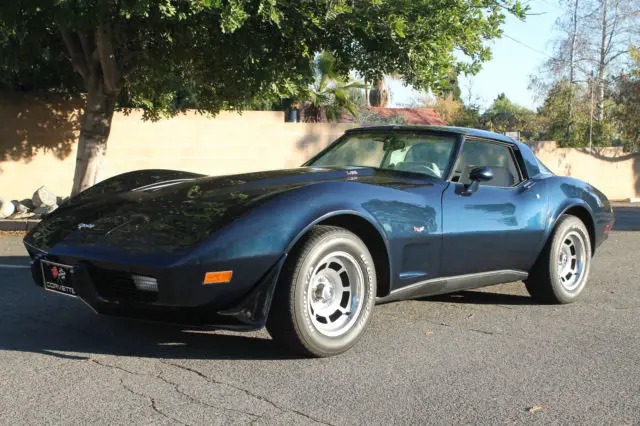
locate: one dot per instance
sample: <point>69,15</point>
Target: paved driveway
<point>475,357</point>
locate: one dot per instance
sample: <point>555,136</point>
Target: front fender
<point>256,244</point>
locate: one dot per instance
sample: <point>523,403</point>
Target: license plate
<point>57,278</point>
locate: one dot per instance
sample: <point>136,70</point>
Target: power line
<point>528,47</point>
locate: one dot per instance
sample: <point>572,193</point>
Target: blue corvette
<point>382,214</point>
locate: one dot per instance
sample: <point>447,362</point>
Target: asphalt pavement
<point>483,357</point>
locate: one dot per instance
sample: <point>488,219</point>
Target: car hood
<point>171,216</point>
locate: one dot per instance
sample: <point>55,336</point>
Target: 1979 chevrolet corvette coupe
<point>382,214</point>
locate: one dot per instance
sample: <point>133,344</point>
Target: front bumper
<point>181,298</point>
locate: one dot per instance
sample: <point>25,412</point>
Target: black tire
<point>549,279</point>
<point>292,321</point>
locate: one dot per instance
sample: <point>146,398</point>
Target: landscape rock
<point>61,200</point>
<point>19,207</point>
<point>6,209</point>
<point>28,203</point>
<point>44,210</point>
<point>44,197</point>
<point>23,215</point>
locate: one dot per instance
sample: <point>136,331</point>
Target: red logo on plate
<point>54,273</point>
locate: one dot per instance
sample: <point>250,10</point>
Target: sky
<point>512,63</point>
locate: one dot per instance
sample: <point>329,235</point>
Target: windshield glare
<point>410,152</point>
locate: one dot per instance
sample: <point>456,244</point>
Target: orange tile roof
<point>415,116</point>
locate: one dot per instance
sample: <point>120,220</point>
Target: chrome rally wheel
<point>335,294</point>
<point>562,269</point>
<point>571,261</point>
<point>325,294</point>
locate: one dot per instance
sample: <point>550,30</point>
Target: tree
<point>379,95</point>
<point>556,118</point>
<point>504,116</point>
<point>329,97</point>
<point>589,56</point>
<point>615,21</point>
<point>627,97</point>
<point>449,109</point>
<point>166,55</point>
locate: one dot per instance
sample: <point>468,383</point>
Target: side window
<point>486,154</point>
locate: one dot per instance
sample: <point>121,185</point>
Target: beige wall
<point>611,170</point>
<point>33,152</point>
<point>38,143</point>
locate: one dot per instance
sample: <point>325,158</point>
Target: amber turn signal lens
<point>217,277</point>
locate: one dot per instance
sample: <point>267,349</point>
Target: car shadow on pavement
<point>32,320</point>
<point>482,298</point>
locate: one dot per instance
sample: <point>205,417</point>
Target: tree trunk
<point>602,64</point>
<point>366,94</point>
<point>379,97</point>
<point>572,69</point>
<point>94,132</point>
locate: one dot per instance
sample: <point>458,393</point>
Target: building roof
<point>414,116</point>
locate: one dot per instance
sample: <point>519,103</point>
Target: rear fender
<point>560,210</point>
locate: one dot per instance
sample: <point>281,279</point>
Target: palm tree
<point>328,97</point>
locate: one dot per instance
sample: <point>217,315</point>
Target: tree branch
<point>107,59</point>
<point>74,48</point>
<point>87,41</point>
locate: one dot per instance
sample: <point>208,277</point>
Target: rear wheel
<point>561,272</point>
<point>325,295</point>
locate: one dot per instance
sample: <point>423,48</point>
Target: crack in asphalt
<point>152,401</point>
<point>176,386</point>
<point>246,391</point>
<point>491,333</point>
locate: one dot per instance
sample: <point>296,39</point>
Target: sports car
<point>383,214</point>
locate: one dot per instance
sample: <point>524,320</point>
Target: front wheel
<point>562,270</point>
<point>325,295</point>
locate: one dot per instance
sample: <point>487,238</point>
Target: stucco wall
<point>37,150</point>
<point>38,147</point>
<point>611,170</point>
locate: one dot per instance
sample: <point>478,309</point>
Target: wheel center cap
<point>563,258</point>
<point>327,293</point>
<point>323,292</point>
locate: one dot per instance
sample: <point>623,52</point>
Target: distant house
<point>415,116</point>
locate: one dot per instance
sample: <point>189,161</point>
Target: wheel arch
<point>582,211</point>
<point>372,236</point>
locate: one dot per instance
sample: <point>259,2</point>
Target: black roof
<point>444,129</point>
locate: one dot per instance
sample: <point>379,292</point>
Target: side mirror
<point>481,174</point>
<point>477,175</point>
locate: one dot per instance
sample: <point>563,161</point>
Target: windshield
<point>424,153</point>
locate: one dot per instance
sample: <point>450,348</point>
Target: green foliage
<point>555,114</point>
<point>224,54</point>
<point>627,98</point>
<point>357,97</point>
<point>505,116</point>
<point>452,87</point>
<point>329,95</point>
<point>469,116</point>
